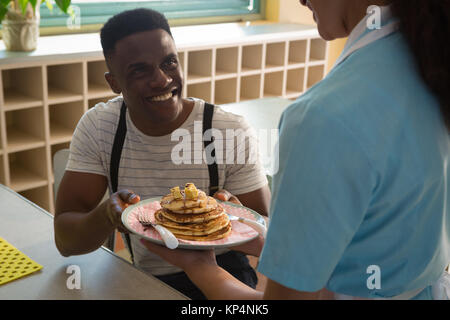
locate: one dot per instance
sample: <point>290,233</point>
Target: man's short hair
<point>130,22</point>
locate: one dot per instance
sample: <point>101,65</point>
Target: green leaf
<point>62,4</point>
<point>23,5</point>
<point>5,3</point>
<point>3,11</point>
<point>49,5</point>
<point>33,4</point>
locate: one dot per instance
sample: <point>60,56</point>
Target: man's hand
<point>115,205</point>
<point>224,195</point>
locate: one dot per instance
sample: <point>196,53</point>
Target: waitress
<point>360,204</point>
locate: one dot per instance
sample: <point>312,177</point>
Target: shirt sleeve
<point>320,195</point>
<point>244,170</point>
<point>85,153</point>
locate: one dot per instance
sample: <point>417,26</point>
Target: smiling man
<point>144,68</point>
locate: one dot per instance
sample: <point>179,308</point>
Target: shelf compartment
<point>252,59</point>
<point>181,57</point>
<point>250,87</point>
<point>225,91</point>
<point>199,66</point>
<point>63,121</point>
<point>200,90</point>
<point>275,55</point>
<point>39,196</point>
<point>273,84</point>
<point>65,83</point>
<point>297,52</point>
<point>315,75</point>
<point>226,62</point>
<point>295,82</point>
<point>22,88</point>
<point>2,170</point>
<point>1,136</point>
<point>318,50</point>
<point>97,85</point>
<point>28,169</point>
<point>25,129</point>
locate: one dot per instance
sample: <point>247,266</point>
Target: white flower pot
<point>20,35</point>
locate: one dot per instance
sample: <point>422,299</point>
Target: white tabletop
<point>103,274</point>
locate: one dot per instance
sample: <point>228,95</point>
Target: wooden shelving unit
<point>43,95</point>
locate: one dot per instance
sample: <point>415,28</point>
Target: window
<point>99,11</point>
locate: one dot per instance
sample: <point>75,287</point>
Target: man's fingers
<point>224,195</point>
<point>122,229</point>
<point>235,200</point>
<point>128,196</point>
<point>119,202</point>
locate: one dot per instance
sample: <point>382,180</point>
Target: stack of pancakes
<point>198,218</point>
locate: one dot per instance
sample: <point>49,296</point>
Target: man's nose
<point>160,79</point>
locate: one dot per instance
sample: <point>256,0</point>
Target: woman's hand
<point>182,258</point>
<point>252,248</point>
<point>115,205</point>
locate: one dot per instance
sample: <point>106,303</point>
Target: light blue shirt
<point>363,181</point>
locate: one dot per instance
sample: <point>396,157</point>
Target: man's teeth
<point>163,97</point>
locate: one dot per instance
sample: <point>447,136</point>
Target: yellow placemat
<point>14,264</point>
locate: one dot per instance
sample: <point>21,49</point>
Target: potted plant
<point>20,22</point>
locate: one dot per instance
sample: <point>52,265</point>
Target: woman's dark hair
<point>129,22</point>
<point>426,26</point>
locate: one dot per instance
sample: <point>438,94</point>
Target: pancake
<point>193,218</point>
<point>209,205</point>
<point>170,203</point>
<point>220,234</point>
<point>192,215</point>
<point>193,229</point>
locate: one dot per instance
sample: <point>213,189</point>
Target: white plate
<point>240,233</point>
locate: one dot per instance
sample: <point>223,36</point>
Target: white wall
<point>293,11</point>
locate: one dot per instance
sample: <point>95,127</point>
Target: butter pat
<point>190,191</point>
<point>176,193</point>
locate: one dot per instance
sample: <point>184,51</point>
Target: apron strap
<point>207,140</point>
<point>116,154</point>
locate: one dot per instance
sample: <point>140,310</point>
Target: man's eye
<point>137,71</point>
<point>172,62</point>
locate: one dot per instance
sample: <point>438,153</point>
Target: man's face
<point>144,68</point>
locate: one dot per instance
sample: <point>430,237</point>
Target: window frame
<point>177,11</point>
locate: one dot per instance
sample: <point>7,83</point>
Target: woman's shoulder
<point>380,79</point>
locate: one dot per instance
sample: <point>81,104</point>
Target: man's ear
<point>112,83</point>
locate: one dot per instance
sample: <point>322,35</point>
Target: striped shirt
<point>150,166</point>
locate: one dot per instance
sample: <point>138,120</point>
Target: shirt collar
<point>362,28</point>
